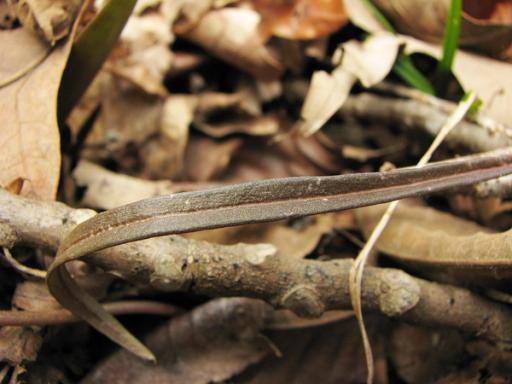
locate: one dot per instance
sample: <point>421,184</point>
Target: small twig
<point>414,115</point>
<point>63,316</point>
<point>483,120</point>
<point>356,272</point>
<point>22,268</point>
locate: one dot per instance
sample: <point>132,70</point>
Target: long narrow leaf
<point>241,204</point>
<point>90,50</point>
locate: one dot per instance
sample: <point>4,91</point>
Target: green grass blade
<point>379,16</point>
<point>450,45</point>
<point>406,70</point>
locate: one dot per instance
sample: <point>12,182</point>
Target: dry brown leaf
<point>163,157</point>
<point>30,135</point>
<point>21,52</point>
<point>422,355</point>
<point>232,35</point>
<point>257,126</point>
<point>300,19</point>
<point>284,319</point>
<point>297,240</point>
<point>128,115</point>
<point>326,94</point>
<point>442,246</point>
<point>369,62</point>
<point>210,344</point>
<point>206,159</point>
<point>19,344</point>
<point>33,296</point>
<point>142,55</point>
<point>108,190</point>
<point>485,26</point>
<point>52,19</point>
<point>328,354</point>
<point>260,159</point>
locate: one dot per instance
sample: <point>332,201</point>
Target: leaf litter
<point>201,94</point>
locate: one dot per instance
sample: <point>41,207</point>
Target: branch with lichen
<point>307,287</point>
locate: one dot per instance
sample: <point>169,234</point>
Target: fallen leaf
<point>297,240</point>
<point>441,246</point>
<point>163,155</point>
<point>422,355</point>
<point>33,296</point>
<point>19,344</point>
<point>485,26</point>
<point>232,35</point>
<point>257,126</point>
<point>210,344</point>
<point>304,354</point>
<point>106,189</point>
<point>206,159</point>
<point>300,19</point>
<point>21,52</point>
<point>142,55</point>
<point>368,62</point>
<point>30,134</point>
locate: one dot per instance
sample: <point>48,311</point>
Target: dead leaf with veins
<point>30,135</point>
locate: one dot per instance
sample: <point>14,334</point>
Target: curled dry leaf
<point>232,35</point>
<point>256,126</point>
<point>206,159</point>
<point>30,136</point>
<point>442,246</point>
<point>142,55</point>
<point>52,19</point>
<point>163,154</point>
<point>485,26</point>
<point>128,115</point>
<point>300,19</point>
<point>369,62</point>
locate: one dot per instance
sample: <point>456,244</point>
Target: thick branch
<point>308,287</point>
